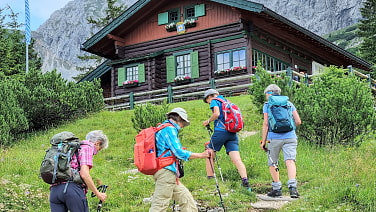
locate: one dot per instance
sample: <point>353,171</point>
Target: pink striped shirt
<point>85,155</point>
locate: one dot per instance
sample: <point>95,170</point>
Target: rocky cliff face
<point>318,16</point>
<point>58,40</point>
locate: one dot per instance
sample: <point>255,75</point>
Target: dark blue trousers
<point>73,199</point>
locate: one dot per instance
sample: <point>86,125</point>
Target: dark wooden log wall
<point>155,68</point>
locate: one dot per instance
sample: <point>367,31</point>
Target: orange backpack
<point>145,152</point>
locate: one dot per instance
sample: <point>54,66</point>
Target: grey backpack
<point>55,167</point>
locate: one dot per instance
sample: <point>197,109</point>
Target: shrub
<point>262,79</point>
<point>52,99</point>
<point>147,115</point>
<point>12,116</point>
<point>335,109</point>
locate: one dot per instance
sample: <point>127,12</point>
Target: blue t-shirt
<point>286,135</point>
<point>219,122</point>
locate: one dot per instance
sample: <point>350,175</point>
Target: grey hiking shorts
<point>288,146</point>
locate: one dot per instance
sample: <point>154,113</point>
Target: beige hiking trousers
<point>166,189</point>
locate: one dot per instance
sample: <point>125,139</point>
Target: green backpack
<point>55,167</point>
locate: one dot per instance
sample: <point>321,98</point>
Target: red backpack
<point>145,152</point>
<point>233,116</point>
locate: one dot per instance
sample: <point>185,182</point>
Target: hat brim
<point>187,122</point>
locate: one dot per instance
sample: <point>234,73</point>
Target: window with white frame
<point>132,73</point>
<point>231,58</point>
<point>183,65</point>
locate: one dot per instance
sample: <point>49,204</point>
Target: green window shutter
<point>141,73</point>
<point>163,18</point>
<point>170,68</point>
<point>200,10</point>
<point>121,76</point>
<point>195,67</point>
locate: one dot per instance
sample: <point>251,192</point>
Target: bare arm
<point>199,155</point>
<point>296,118</point>
<point>85,175</point>
<point>214,116</point>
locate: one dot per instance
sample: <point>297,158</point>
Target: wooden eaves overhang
<point>103,42</point>
<point>96,73</point>
<point>321,42</point>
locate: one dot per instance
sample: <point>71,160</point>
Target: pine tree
<point>111,12</point>
<point>367,30</point>
<point>12,46</point>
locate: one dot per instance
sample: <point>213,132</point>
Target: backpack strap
<point>221,110</point>
<point>162,126</point>
<point>221,100</point>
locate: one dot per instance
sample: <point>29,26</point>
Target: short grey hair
<point>98,135</point>
<point>274,89</point>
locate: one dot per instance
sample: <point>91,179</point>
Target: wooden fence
<point>193,91</point>
<point>172,94</point>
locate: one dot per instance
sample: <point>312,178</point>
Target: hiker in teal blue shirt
<point>221,137</point>
<point>167,184</point>
<point>280,141</point>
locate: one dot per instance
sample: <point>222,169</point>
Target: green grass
<point>330,179</point>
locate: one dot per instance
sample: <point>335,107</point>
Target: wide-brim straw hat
<point>182,113</point>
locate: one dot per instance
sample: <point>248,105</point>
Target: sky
<point>40,10</point>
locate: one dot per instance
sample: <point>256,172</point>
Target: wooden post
<point>289,76</point>
<point>212,83</point>
<point>351,72</point>
<point>170,98</point>
<point>369,80</point>
<point>131,100</point>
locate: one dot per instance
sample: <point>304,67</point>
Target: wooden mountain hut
<point>161,44</point>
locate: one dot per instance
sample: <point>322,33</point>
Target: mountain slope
<point>59,39</point>
<point>346,38</point>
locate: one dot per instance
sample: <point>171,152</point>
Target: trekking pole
<point>210,131</point>
<point>216,183</point>
<point>102,189</point>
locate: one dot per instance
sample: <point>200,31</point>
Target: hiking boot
<point>294,193</point>
<point>275,193</point>
<point>246,187</point>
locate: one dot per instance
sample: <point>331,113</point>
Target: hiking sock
<point>245,182</point>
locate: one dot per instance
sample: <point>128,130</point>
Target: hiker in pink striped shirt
<point>71,195</point>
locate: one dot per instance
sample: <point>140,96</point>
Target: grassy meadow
<point>330,179</point>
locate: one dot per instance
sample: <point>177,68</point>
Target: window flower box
<point>231,71</point>
<point>181,80</point>
<point>130,83</point>
<point>170,27</point>
<point>187,23</point>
